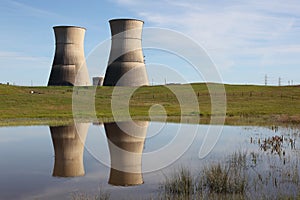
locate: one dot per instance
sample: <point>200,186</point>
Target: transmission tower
<point>266,80</point>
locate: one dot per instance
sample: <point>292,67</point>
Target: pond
<point>84,159</point>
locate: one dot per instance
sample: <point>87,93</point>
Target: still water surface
<point>42,162</point>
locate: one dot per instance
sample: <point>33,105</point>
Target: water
<point>39,162</point>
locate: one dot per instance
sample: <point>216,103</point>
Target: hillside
<point>246,104</point>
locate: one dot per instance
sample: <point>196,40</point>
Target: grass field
<point>246,104</point>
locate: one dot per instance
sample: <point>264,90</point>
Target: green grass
<point>246,104</point>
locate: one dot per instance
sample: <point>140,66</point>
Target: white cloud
<point>238,35</point>
<point>230,28</point>
<point>30,10</point>
<point>9,55</point>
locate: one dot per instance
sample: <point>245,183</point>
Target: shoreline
<point>283,120</point>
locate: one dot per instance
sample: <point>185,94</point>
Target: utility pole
<point>279,81</point>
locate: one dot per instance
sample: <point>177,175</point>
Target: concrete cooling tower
<point>126,65</point>
<point>69,66</point>
<point>68,143</point>
<point>126,143</point>
<point>97,81</point>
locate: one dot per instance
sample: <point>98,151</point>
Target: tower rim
<point>125,19</point>
<point>66,26</point>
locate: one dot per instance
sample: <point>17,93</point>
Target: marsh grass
<point>179,185</point>
<point>103,195</point>
<point>225,178</point>
<point>236,177</point>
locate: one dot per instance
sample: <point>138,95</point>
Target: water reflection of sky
<point>27,159</point>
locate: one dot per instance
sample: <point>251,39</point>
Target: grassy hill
<point>246,104</point>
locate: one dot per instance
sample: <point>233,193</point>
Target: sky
<point>246,39</point>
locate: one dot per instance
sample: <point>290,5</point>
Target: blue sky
<point>245,39</point>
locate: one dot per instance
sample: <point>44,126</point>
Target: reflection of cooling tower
<point>69,66</point>
<point>126,55</point>
<point>68,143</point>
<point>126,143</point>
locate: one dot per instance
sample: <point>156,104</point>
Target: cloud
<point>9,55</point>
<point>23,69</point>
<point>30,10</point>
<point>229,30</point>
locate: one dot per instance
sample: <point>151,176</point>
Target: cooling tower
<point>97,81</point>
<point>126,55</point>
<point>126,144</point>
<point>69,66</point>
<point>68,143</point>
